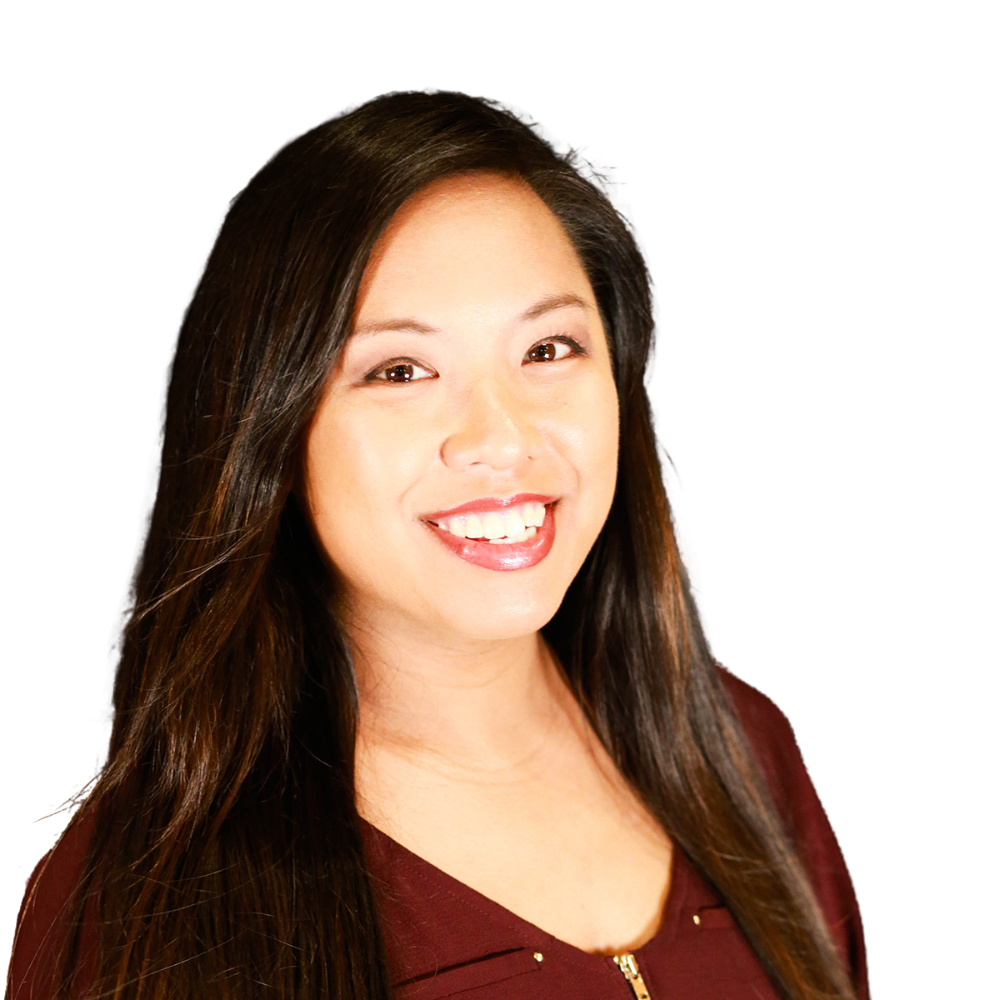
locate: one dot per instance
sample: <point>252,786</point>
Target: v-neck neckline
<point>680,876</point>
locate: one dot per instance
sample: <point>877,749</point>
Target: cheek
<point>602,475</point>
<point>590,430</point>
<point>361,464</point>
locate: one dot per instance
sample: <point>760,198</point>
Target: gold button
<point>696,919</point>
<point>539,957</point>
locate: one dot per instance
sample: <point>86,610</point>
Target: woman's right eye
<point>399,371</point>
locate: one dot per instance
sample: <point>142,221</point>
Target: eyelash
<point>372,376</point>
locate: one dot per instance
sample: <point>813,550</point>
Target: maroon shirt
<point>444,938</point>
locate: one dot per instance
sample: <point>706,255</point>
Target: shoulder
<point>756,711</point>
<point>45,923</point>
<point>772,743</point>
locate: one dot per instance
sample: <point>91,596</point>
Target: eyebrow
<point>548,304</point>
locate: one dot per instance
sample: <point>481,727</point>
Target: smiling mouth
<point>499,526</point>
<point>514,545</point>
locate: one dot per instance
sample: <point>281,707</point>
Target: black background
<point>744,197</point>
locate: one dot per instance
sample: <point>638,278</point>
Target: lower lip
<point>512,555</point>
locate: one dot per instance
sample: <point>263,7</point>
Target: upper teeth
<point>496,524</point>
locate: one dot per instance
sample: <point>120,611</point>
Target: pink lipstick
<point>506,556</point>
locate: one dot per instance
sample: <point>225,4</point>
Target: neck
<point>475,704</point>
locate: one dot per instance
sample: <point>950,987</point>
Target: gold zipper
<point>630,970</point>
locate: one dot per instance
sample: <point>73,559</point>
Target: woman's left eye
<point>546,350</point>
<point>402,368</point>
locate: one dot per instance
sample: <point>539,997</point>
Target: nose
<point>496,428</point>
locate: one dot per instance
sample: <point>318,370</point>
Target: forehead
<point>482,244</point>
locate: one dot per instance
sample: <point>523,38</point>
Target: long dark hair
<point>227,855</point>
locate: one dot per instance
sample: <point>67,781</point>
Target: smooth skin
<point>472,752</point>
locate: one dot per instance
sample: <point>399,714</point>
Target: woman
<point>414,699</point>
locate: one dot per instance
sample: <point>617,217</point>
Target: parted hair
<point>226,859</point>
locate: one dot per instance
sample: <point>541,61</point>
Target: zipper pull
<point>630,970</point>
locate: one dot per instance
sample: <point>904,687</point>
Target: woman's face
<point>477,372</point>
